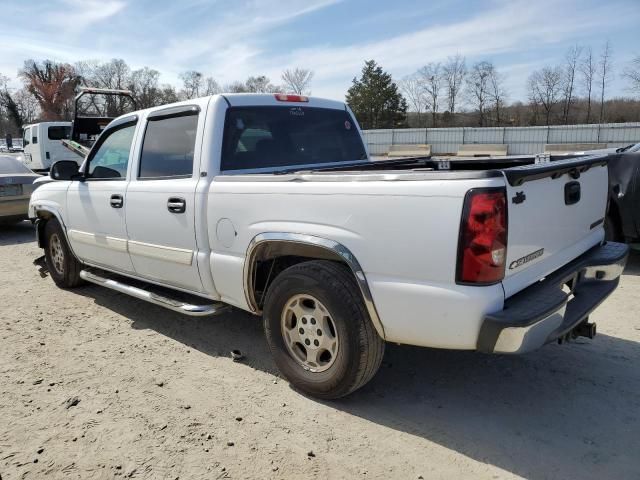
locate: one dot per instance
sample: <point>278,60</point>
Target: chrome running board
<point>187,308</point>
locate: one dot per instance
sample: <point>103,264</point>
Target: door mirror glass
<point>64,170</point>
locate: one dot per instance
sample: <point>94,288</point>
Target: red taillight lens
<point>482,249</point>
<point>284,97</point>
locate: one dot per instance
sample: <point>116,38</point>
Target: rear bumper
<point>545,312</point>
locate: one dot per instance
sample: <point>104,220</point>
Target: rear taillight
<point>285,97</point>
<point>482,248</point>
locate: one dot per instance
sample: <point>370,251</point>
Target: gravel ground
<point>95,385</point>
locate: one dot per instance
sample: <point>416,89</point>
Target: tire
<point>350,351</point>
<point>63,266</point>
<point>611,230</point>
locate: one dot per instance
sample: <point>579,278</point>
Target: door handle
<point>176,205</point>
<point>117,201</point>
<point>571,193</point>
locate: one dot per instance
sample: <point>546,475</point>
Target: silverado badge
<point>527,258</point>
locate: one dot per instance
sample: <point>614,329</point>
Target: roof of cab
<point>241,100</point>
<point>270,99</point>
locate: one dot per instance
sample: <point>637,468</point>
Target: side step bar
<point>192,309</point>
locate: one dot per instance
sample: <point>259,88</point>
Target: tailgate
<point>555,213</point>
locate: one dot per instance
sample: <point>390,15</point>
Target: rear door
<point>160,200</point>
<point>555,213</point>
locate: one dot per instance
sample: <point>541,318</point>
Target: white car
<point>271,204</point>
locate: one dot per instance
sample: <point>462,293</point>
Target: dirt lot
<point>158,397</point>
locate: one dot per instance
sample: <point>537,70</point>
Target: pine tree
<point>375,100</point>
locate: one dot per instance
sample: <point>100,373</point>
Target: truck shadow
<point>633,264</point>
<point>14,234</point>
<point>569,411</point>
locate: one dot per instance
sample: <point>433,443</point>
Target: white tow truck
<point>270,204</point>
<point>42,144</point>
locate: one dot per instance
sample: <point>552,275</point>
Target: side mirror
<point>64,170</point>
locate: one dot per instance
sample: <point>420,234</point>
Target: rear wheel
<point>319,331</point>
<point>63,266</point>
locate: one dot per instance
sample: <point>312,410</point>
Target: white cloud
<point>240,30</point>
<point>509,28</point>
<point>78,15</point>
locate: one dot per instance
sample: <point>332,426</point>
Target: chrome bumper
<point>545,312</point>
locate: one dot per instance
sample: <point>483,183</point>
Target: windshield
<point>260,137</point>
<point>11,165</point>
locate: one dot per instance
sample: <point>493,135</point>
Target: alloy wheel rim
<point>57,253</point>
<point>309,333</point>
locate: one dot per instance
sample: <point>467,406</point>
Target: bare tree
<point>260,84</point>
<point>588,69</point>
<point>167,94</point>
<point>478,82</point>
<point>191,84</point>
<point>604,68</point>
<point>571,64</point>
<point>545,88</point>
<point>53,85</point>
<point>144,87</point>
<point>454,71</point>
<point>412,89</point>
<point>497,92</point>
<point>632,73</point>
<point>431,79</point>
<point>211,87</point>
<point>297,80</point>
<point>26,105</point>
<point>235,87</point>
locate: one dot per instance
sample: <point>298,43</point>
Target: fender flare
<point>334,249</point>
<point>40,224</point>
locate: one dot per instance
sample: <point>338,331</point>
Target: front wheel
<point>63,266</point>
<point>319,331</point>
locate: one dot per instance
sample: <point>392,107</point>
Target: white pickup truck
<point>270,203</point>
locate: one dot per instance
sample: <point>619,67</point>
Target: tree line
<point>439,94</point>
<point>453,93</point>
<point>49,88</point>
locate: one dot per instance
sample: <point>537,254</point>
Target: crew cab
<point>271,204</point>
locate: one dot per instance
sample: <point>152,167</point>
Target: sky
<point>231,40</point>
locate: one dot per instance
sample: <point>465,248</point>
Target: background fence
<point>520,140</point>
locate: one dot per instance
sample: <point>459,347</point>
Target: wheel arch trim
<point>333,249</point>
<point>38,208</point>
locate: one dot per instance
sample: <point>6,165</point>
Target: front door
<point>96,206</point>
<point>160,201</point>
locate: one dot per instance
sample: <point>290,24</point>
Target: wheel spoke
<point>312,356</point>
<point>293,335</point>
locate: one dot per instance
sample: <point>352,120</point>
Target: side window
<point>34,135</point>
<point>168,146</point>
<point>111,158</point>
<point>26,136</point>
<point>59,133</point>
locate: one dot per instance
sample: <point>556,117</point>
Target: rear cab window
<point>60,132</point>
<point>168,147</point>
<point>281,137</point>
